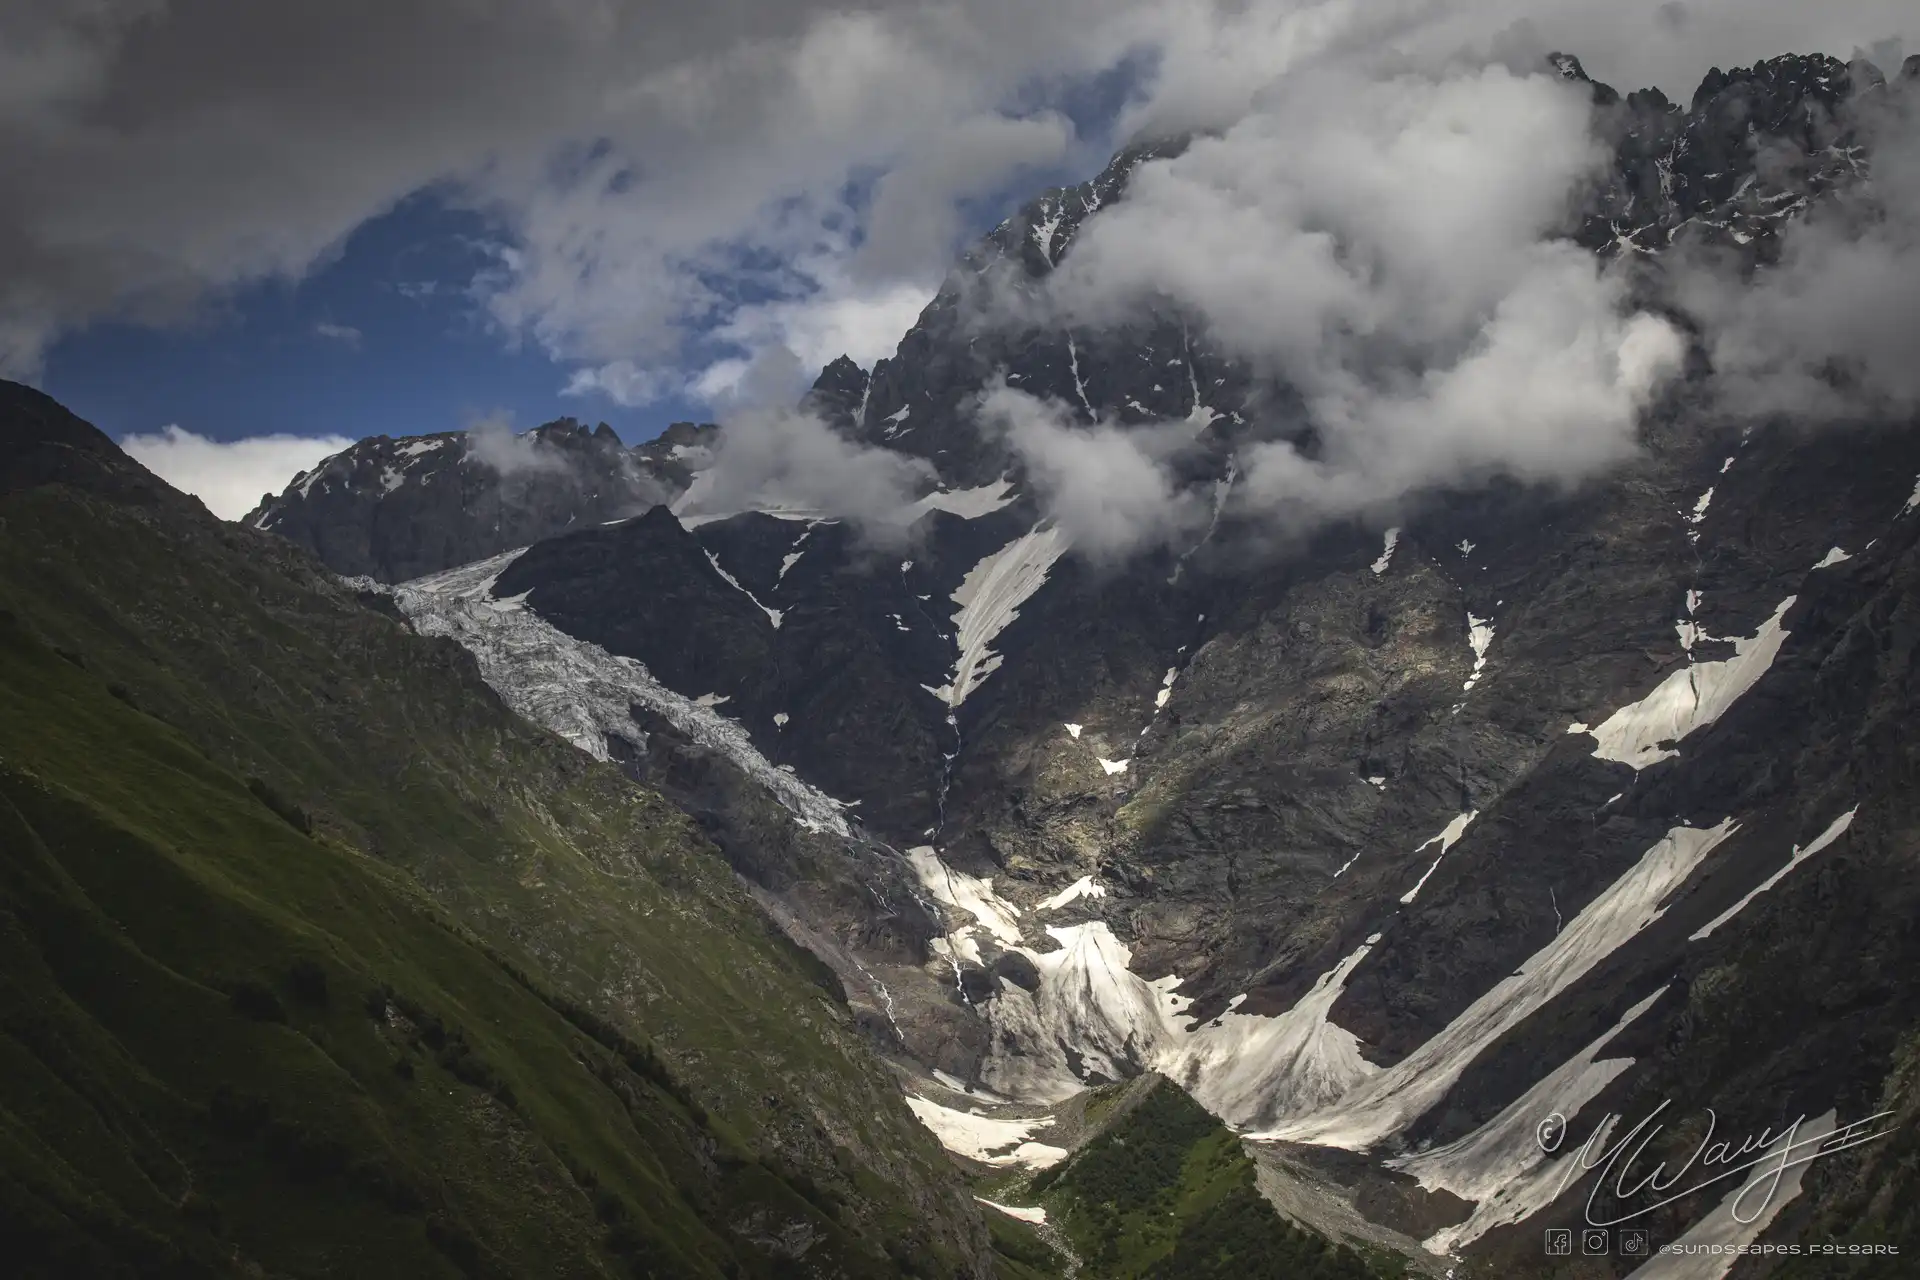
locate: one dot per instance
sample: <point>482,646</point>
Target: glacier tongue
<point>577,689</point>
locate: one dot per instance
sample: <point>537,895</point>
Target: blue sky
<point>387,336</point>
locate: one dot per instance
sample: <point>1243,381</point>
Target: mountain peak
<point>42,442</point>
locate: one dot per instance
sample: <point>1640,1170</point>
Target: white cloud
<point>1384,245</point>
<point>229,475</point>
<point>1833,328</point>
<point>768,458</point>
<point>344,334</point>
<point>623,382</point>
<point>1109,488</point>
<point>660,169</point>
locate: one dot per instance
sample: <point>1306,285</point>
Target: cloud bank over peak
<point>1832,330</point>
<point>1389,248</point>
<point>230,476</point>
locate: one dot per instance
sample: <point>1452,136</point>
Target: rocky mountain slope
<point>1385,843</point>
<point>396,509</point>
<point>320,961</point>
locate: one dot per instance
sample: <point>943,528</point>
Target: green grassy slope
<point>225,787</point>
<point>1165,1192</point>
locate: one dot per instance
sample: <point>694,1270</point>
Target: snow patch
<point>990,598</point>
<point>968,504</point>
<point>1113,766</point>
<point>1249,1069</point>
<point>1834,831</point>
<point>1710,1248</point>
<point>1700,505</point>
<point>1832,558</point>
<point>1480,639</point>
<point>1501,1166</point>
<point>973,895</point>
<point>1035,1215</point>
<point>1084,887</point>
<point>1690,698</point>
<point>1386,555</point>
<point>1388,1102</point>
<point>1447,838</point>
<point>1073,358</point>
<point>982,1138</point>
<point>773,615</point>
<point>1073,731</point>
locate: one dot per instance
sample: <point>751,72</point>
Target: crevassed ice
<point>578,689</point>
<point>1690,698</point>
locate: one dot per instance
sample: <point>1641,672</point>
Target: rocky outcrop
<point>395,509</point>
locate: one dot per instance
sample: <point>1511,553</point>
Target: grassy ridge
<point>224,1039</point>
<point>228,786</point>
<point>1166,1193</point>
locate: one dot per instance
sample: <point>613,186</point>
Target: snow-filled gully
<point>1299,1077</point>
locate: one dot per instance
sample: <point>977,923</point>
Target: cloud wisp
<point>229,476</point>
<point>1832,329</point>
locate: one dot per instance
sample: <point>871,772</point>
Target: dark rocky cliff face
<point>396,509</point>
<point>1455,755</point>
